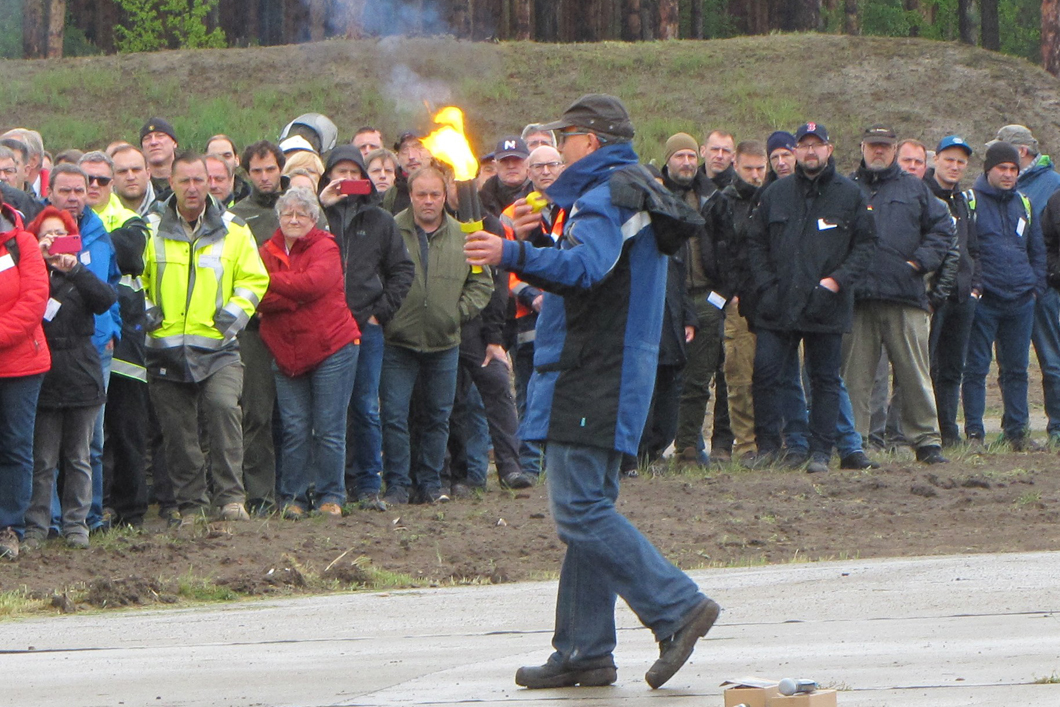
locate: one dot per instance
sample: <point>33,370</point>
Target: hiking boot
<point>78,541</point>
<point>8,544</point>
<point>32,541</point>
<point>234,511</point>
<point>371,502</point>
<point>332,510</point>
<point>857,460</point>
<point>168,514</point>
<point>516,480</point>
<point>396,496</point>
<point>794,460</point>
<point>435,496</point>
<point>675,650</point>
<point>1025,444</point>
<point>976,445</point>
<point>292,512</point>
<point>554,674</point>
<point>930,454</point>
<point>818,464</point>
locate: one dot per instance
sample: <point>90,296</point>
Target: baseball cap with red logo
<point>815,129</point>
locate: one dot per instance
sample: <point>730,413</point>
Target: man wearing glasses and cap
<point>596,349</point>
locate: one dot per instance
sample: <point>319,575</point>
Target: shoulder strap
<point>1026,206</point>
<point>12,248</point>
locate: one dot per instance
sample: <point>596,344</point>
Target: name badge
<point>209,261</point>
<point>86,258</point>
<point>6,262</point>
<point>52,309</point>
<point>717,300</point>
<point>1021,225</point>
<point>823,225</point>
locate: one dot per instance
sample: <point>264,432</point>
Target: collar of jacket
<point>590,171</point>
<point>91,227</point>
<point>813,184</point>
<point>939,190</point>
<point>278,245</point>
<point>9,220</point>
<point>984,187</point>
<point>406,222</point>
<point>740,189</point>
<point>169,225</point>
<point>268,201</point>
<point>700,184</point>
<point>872,177</point>
<point>1043,163</point>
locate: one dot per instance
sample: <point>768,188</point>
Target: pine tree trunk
<point>317,17</point>
<point>56,23</point>
<point>1051,36</point>
<point>851,23</point>
<point>669,19</point>
<point>523,23</point>
<point>548,12</point>
<point>964,21</point>
<point>807,15</point>
<point>631,27</point>
<point>33,29</point>
<point>990,29</point>
<point>696,17</point>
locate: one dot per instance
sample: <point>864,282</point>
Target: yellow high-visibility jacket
<point>201,291</point>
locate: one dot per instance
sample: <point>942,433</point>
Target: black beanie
<point>1000,153</point>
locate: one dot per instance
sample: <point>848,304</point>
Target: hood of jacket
<point>983,185</point>
<point>588,172</point>
<point>349,153</point>
<point>268,200</point>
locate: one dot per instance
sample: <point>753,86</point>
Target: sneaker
<point>168,513</point>
<point>292,512</point>
<point>1025,444</point>
<point>396,496</point>
<point>630,474</point>
<point>371,502</point>
<point>930,454</point>
<point>78,541</point>
<point>597,673</point>
<point>976,445</point>
<point>857,460</point>
<point>675,650</point>
<point>516,480</point>
<point>818,464</point>
<point>234,511</point>
<point>8,544</point>
<point>435,496</point>
<point>332,510</point>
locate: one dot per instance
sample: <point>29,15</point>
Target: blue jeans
<point>1009,323</point>
<point>436,373</point>
<point>364,433</point>
<point>18,413</point>
<point>791,401</point>
<point>95,511</point>
<point>1046,338</point>
<point>530,454</point>
<point>951,325</point>
<point>313,409</point>
<point>606,558</point>
<point>773,353</point>
<point>477,445</point>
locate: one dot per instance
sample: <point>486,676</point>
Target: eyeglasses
<point>102,181</point>
<point>294,216</point>
<point>562,136</point>
<point>541,166</point>
<point>805,147</point>
<point>9,171</point>
<point>54,233</point>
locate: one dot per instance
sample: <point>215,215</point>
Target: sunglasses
<point>102,181</point>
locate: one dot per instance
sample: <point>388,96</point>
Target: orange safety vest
<point>515,285</point>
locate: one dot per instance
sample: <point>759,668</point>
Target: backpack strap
<point>12,248</point>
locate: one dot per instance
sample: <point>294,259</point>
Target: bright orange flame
<point>449,144</point>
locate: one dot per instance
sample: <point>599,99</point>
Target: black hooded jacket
<point>496,196</point>
<point>377,268</point>
<point>962,272</point>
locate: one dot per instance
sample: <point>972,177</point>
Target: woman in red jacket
<point>314,338</point>
<point>24,359</point>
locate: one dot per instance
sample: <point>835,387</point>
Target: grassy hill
<point>749,85</point>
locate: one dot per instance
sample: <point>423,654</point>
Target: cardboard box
<point>820,698</point>
<point>751,691</point>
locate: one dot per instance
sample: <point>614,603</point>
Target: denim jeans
<point>364,433</point>
<point>606,558</point>
<point>1046,338</point>
<point>772,356</point>
<point>531,456</point>
<point>18,412</point>
<point>436,373</point>
<point>1009,324</point>
<point>951,325</point>
<point>469,436</point>
<point>95,511</point>
<point>313,408</point>
<point>791,401</point>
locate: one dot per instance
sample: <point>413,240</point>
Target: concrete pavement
<point>938,632</point>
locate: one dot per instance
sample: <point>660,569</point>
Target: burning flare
<point>449,144</point>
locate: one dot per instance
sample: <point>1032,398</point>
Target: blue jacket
<point>598,332</point>
<point>1038,182</point>
<point>97,254</point>
<point>1013,263</point>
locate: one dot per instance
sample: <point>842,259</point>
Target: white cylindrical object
<point>791,686</point>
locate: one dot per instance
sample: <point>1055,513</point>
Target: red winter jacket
<point>304,316</point>
<point>23,298</point>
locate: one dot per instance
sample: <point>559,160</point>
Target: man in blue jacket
<point>594,360</point>
<point>1038,181</point>
<point>1013,265</point>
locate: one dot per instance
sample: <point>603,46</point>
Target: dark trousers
<point>494,386</point>
<point>661,426</point>
<point>721,438</point>
<point>951,326</point>
<point>773,354</point>
<point>258,402</point>
<point>125,420</point>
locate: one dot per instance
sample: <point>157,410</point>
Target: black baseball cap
<point>158,125</point>
<point>811,128</point>
<point>511,146</point>
<point>403,138</point>
<point>597,112</point>
<point>879,133</point>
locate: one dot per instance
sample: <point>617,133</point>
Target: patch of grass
<point>1029,498</point>
<point>18,603</point>
<point>385,579</point>
<point>1051,679</point>
<point>194,588</point>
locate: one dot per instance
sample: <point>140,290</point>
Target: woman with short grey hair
<point>298,198</point>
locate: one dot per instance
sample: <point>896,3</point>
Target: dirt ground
<point>998,502</point>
